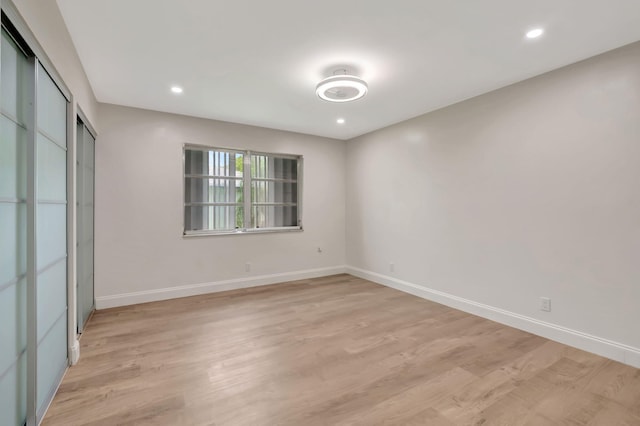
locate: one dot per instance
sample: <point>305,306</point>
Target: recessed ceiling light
<point>176,89</point>
<point>341,88</point>
<point>535,33</point>
<point>340,121</point>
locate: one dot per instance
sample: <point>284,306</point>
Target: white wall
<point>45,21</point>
<point>487,205</point>
<point>529,191</point>
<point>140,253</point>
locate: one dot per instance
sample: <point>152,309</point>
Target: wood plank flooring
<point>337,350</point>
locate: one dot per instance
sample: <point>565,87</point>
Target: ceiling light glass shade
<point>341,88</point>
<point>535,33</point>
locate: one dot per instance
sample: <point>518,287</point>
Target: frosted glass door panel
<point>52,296</point>
<point>13,160</point>
<point>13,299</point>
<point>52,110</point>
<point>52,362</point>
<point>52,233</point>
<point>13,229</point>
<point>51,230</point>
<point>52,170</point>
<point>13,392</point>
<point>13,235</point>
<point>14,77</point>
<point>87,223</point>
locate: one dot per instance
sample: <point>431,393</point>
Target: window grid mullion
<point>247,189</point>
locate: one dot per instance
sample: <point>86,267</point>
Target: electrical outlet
<point>392,267</point>
<point>247,267</point>
<point>545,304</point>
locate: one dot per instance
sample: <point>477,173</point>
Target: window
<point>235,191</point>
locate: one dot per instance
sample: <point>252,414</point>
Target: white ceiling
<point>258,62</point>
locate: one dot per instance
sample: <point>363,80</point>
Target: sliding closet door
<point>85,166</point>
<point>13,240</point>
<point>51,231</point>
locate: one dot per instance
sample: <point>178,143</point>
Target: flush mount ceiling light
<point>176,89</point>
<point>341,87</point>
<point>535,33</point>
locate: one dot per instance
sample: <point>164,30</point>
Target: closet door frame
<point>78,151</point>
<point>19,30</point>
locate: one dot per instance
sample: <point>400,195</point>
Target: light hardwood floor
<point>331,351</point>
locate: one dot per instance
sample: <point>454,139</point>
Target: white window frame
<point>247,180</point>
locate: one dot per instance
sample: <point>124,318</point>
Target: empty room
<point>337,213</point>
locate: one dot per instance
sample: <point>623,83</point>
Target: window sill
<point>190,234</point>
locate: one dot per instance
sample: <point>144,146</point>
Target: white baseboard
<point>603,347</point>
<point>104,302</point>
<point>617,351</point>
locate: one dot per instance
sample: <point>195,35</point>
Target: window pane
<point>213,163</point>
<point>259,166</point>
<point>213,218</point>
<point>270,167</point>
<point>273,216</point>
<point>274,192</point>
<point>285,168</point>
<point>203,190</point>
